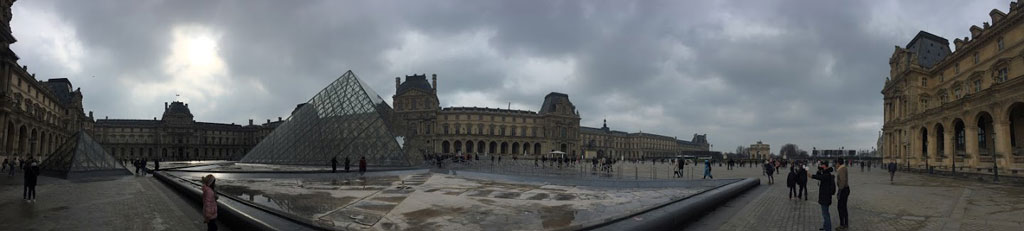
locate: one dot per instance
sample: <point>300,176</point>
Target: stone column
<point>1002,143</point>
<point>932,147</point>
<point>971,139</point>
<point>948,149</point>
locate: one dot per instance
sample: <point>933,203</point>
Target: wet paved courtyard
<point>911,202</point>
<point>434,201</point>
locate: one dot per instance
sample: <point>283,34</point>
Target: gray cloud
<point>780,71</point>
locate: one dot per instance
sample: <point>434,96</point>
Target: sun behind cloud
<point>193,70</point>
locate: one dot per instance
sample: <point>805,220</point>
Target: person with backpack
<point>31,177</point>
<point>769,170</point>
<point>707,170</point>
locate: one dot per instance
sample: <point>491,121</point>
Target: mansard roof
<point>414,82</point>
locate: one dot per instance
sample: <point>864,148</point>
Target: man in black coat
<point>826,188</point>
<point>347,163</point>
<point>31,176</point>
<point>334,164</point>
<point>801,181</point>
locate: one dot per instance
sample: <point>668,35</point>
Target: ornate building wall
<point>430,129</point>
<point>35,116</point>
<point>966,109</point>
<point>176,136</point>
<point>604,142</point>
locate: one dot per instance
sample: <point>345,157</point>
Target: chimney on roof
<point>165,105</point>
<point>278,118</point>
<point>398,81</point>
<point>268,121</point>
<point>90,115</point>
<point>434,85</point>
<point>250,122</point>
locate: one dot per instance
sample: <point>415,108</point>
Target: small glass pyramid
<point>81,156</point>
<point>345,119</point>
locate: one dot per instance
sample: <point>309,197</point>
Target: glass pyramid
<point>345,119</point>
<point>81,156</point>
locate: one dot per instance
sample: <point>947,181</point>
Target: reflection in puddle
<point>306,205</point>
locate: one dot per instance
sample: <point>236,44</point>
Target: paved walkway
<point>117,203</point>
<point>911,202</point>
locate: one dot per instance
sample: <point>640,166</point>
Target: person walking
<point>843,183</point>
<point>769,170</point>
<point>347,163</point>
<point>209,203</point>
<point>156,164</point>
<point>11,173</point>
<point>791,182</point>
<point>707,170</point>
<point>362,165</point>
<point>801,182</point>
<point>4,165</point>
<point>31,177</point>
<point>892,171</point>
<point>334,164</point>
<point>826,188</point>
<point>682,165</point>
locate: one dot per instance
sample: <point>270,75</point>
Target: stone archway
<point>481,146</point>
<point>526,148</point>
<point>445,147</point>
<point>1015,115</point>
<point>536,148</point>
<point>12,137</point>
<point>924,143</point>
<point>940,140</point>
<point>986,133</point>
<point>959,138</point>
<point>22,141</point>
<point>515,148</point>
<point>493,148</point>
<point>469,146</point>
<point>504,147</point>
<point>458,146</point>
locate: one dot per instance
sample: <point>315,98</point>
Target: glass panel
<point>346,119</point>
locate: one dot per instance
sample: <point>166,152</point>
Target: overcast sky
<point>803,72</point>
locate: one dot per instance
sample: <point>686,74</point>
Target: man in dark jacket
<point>334,164</point>
<point>347,163</point>
<point>826,188</point>
<point>801,181</point>
<point>362,165</point>
<point>791,182</point>
<point>31,176</point>
<point>892,170</point>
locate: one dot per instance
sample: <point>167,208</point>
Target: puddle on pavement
<point>420,218</point>
<point>389,199</point>
<point>305,205</point>
<point>557,216</point>
<point>539,196</point>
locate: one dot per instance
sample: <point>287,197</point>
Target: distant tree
<point>789,151</point>
<point>741,150</point>
<point>803,154</point>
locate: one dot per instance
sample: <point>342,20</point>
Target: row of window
<point>513,119</point>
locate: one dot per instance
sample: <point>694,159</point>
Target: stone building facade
<point>759,150</point>
<point>963,108</point>
<point>35,116</point>
<point>177,136</point>
<point>430,129</point>
<point>604,142</point>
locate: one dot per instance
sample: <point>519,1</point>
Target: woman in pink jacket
<point>209,203</point>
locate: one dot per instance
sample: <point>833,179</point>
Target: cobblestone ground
<point>118,203</point>
<point>911,202</point>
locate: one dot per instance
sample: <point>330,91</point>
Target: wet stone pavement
<point>911,202</point>
<point>431,201</point>
<point>111,203</point>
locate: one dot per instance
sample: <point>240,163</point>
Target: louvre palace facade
<point>962,108</point>
<point>177,136</point>
<point>430,129</point>
<point>35,116</point>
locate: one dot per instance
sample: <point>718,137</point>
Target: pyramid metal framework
<point>81,156</point>
<point>345,119</point>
